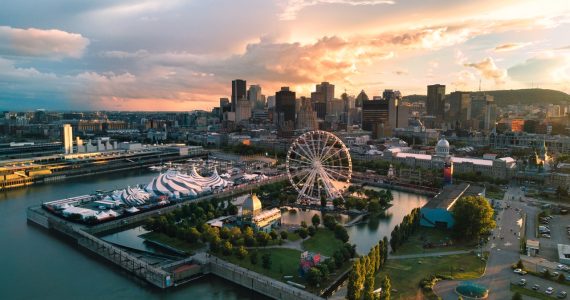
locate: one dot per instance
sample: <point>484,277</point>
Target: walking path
<point>297,245</point>
<point>433,254</point>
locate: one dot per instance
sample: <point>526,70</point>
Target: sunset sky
<point>182,55</point>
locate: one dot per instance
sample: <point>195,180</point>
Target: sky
<point>181,55</point>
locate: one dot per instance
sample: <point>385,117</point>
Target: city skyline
<point>180,55</point>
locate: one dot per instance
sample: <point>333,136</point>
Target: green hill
<point>523,96</point>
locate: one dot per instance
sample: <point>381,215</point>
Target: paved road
<point>428,254</point>
<point>503,251</point>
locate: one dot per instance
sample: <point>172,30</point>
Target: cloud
<point>489,70</point>
<point>545,68</point>
<point>510,47</point>
<point>34,42</point>
<point>293,7</point>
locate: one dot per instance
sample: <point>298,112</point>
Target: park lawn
<point>414,245</point>
<point>499,195</point>
<point>323,242</point>
<point>528,292</point>
<point>181,245</point>
<point>293,236</point>
<point>406,274</point>
<point>284,262</point>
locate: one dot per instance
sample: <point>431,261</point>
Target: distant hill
<point>524,96</point>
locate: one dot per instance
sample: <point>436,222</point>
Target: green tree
<point>314,276</point>
<point>473,217</point>
<point>369,287</point>
<point>341,233</point>
<point>386,288</point>
<point>227,248</point>
<point>316,220</point>
<point>262,238</point>
<point>284,235</point>
<point>312,230</point>
<point>329,221</point>
<point>302,232</point>
<point>561,278</point>
<point>253,257</point>
<point>266,260</point>
<point>241,252</point>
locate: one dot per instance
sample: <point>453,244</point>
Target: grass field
<point>172,242</point>
<point>323,242</point>
<point>406,274</point>
<point>292,236</point>
<point>414,245</point>
<point>284,262</point>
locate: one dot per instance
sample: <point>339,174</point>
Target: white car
<point>519,271</point>
<point>549,291</point>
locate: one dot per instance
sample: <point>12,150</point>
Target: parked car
<point>544,235</point>
<point>520,272</point>
<point>536,287</point>
<point>549,291</point>
<point>561,295</point>
<point>522,282</point>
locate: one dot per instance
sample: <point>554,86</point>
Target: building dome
<point>442,147</point>
<point>251,206</point>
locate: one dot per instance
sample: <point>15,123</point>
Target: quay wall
<point>257,282</point>
<point>108,251</point>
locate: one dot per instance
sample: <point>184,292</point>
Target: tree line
<point>405,229</point>
<point>361,279</point>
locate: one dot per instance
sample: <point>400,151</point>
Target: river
<point>38,265</point>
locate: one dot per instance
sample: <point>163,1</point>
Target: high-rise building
<point>394,98</point>
<point>319,104</point>
<point>361,98</point>
<point>435,102</point>
<point>243,110</point>
<point>238,92</point>
<point>255,97</point>
<point>270,102</point>
<point>327,91</point>
<point>459,112</point>
<point>307,117</point>
<point>375,116</point>
<point>285,108</point>
<point>483,111</point>
<point>67,139</point>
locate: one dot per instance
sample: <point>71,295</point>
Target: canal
<point>37,265</point>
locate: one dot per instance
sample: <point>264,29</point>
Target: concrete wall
<point>257,282</point>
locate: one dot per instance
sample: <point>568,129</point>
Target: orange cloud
<point>489,70</point>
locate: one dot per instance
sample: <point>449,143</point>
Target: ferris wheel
<point>318,164</point>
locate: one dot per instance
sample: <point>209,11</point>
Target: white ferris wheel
<point>318,164</point>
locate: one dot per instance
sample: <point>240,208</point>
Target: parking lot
<point>558,235</point>
<point>541,285</point>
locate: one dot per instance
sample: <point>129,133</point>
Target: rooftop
<point>451,193</point>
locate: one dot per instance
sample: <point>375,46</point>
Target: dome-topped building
<point>442,147</point>
<point>251,206</point>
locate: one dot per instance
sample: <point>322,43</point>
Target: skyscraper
<point>255,97</point>
<point>459,109</point>
<point>285,108</point>
<point>375,116</point>
<point>361,98</point>
<point>327,91</point>
<point>238,91</point>
<point>67,139</point>
<point>307,117</point>
<point>243,110</point>
<point>435,102</point>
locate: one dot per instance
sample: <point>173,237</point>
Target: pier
<point>161,277</point>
